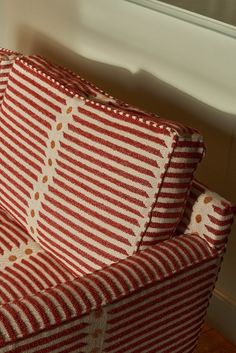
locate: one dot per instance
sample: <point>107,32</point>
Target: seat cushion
<point>25,268</point>
<point>90,180</point>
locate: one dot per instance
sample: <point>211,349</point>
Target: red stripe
<point>36,272</point>
<point>8,327</point>
<point>29,122</point>
<point>7,191</point>
<point>13,281</point>
<point>80,207</point>
<point>187,164</point>
<point>24,139</point>
<point>116,136</point>
<point>178,174</point>
<point>113,146</point>
<point>136,122</point>
<point>25,278</point>
<point>74,263</point>
<point>29,113</point>
<point>177,185</point>
<point>21,326</point>
<point>39,76</point>
<point>51,308</point>
<point>218,232</point>
<point>224,211</point>
<point>20,166</point>
<point>97,298</point>
<point>76,237</point>
<point>84,220</point>
<point>32,93</point>
<point>110,156</point>
<point>49,338</point>
<point>176,195</point>
<point>120,278</point>
<point>42,315</point>
<point>43,268</point>
<point>158,294</point>
<point>155,315</point>
<point>30,102</point>
<point>128,273</point>
<point>104,177</point>
<point>97,162</point>
<point>9,239</point>
<point>220,222</point>
<point>14,205</point>
<point>216,243</point>
<point>17,151</point>
<point>62,244</point>
<point>112,284</point>
<point>42,88</point>
<point>7,293</point>
<point>90,200</point>
<point>95,192</point>
<point>56,269</point>
<point>117,126</point>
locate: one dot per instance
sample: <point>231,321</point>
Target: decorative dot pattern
<point>12,258</point>
<point>28,251</point>
<point>198,218</point>
<point>55,134</point>
<point>207,199</point>
<point>45,179</point>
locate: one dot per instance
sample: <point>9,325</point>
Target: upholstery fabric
<point>91,182</point>
<point>207,214</point>
<point>7,58</point>
<point>107,190</point>
<point>153,300</point>
<point>163,317</point>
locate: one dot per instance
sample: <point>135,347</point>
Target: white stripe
<point>26,127</point>
<point>37,90</point>
<point>83,259</point>
<point>105,136</point>
<point>28,106</point>
<point>132,136</point>
<point>109,171</point>
<point>129,122</point>
<point>170,332</point>
<point>75,220</point>
<point>32,98</point>
<point>170,317</point>
<point>96,208</point>
<point>110,184</point>
<point>165,299</point>
<point>104,192</point>
<point>13,155</point>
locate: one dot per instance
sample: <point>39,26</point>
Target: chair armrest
<point>207,214</point>
<point>151,267</point>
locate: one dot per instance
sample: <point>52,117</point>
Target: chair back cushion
<point>91,180</point>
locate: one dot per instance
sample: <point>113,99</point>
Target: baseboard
<point>222,314</point>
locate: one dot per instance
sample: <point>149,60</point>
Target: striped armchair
<point>107,243</point>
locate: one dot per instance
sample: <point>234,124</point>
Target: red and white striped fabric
<point>208,214</point>
<point>154,299</point>
<point>7,58</point>
<point>90,182</point>
<point>164,317</point>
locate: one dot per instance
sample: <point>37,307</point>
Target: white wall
<point>176,69</point>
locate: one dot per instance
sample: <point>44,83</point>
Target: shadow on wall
<point>148,92</point>
<point>218,169</point>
